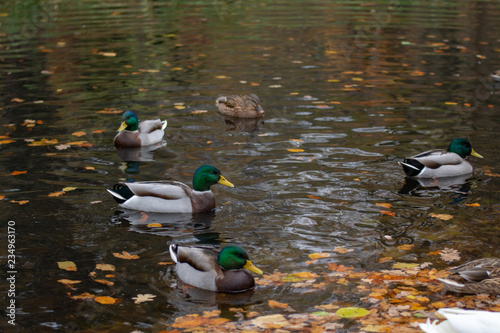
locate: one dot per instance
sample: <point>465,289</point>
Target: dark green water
<point>356,85</point>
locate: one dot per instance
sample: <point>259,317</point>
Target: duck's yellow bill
<point>252,268</point>
<point>473,153</point>
<point>225,182</point>
<point>122,127</point>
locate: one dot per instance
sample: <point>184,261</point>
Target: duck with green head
<point>210,269</point>
<point>132,134</point>
<point>481,276</point>
<point>171,196</point>
<point>441,163</point>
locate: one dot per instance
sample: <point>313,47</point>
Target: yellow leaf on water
<point>403,265</point>
<point>106,300</point>
<point>274,321</point>
<point>108,54</point>
<point>444,217</point>
<point>21,202</point>
<point>83,296</point>
<point>66,281</point>
<point>43,142</point>
<point>199,111</point>
<point>222,77</point>
<point>179,107</point>
<point>106,282</point>
<point>67,265</point>
<point>295,150</point>
<point>6,141</point>
<point>351,312</point>
<point>450,103</point>
<point>314,197</point>
<point>340,249</point>
<point>319,255</point>
<point>154,225</point>
<point>56,194</point>
<point>126,255</point>
<point>382,260</point>
<point>105,267</point>
<point>305,275</point>
<point>79,133</point>
<point>69,188</point>
<point>475,204</point>
<point>405,247</point>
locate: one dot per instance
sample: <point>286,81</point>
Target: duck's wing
<point>167,190</point>
<point>436,158</point>
<point>200,258</point>
<point>149,126</point>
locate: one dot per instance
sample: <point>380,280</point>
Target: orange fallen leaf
<point>99,131</point>
<point>105,267</point>
<point>319,255</point>
<point>106,300</point>
<point>56,194</point>
<point>387,212</point>
<point>295,150</point>
<point>79,133</point>
<point>382,260</point>
<point>475,204</point>
<point>277,305</point>
<point>21,202</point>
<point>83,296</point>
<point>2,197</point>
<point>314,197</point>
<point>306,275</point>
<point>15,173</point>
<point>385,205</point>
<point>6,141</point>
<point>199,111</point>
<point>126,255</point>
<point>343,250</point>
<point>154,225</point>
<point>106,282</point>
<point>406,247</point>
<point>18,100</point>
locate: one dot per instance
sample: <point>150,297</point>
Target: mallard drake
<point>171,196</point>
<point>475,277</point>
<point>240,106</point>
<point>132,134</point>
<point>440,163</point>
<point>464,321</point>
<point>210,269</point>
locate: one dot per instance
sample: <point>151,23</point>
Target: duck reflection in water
<point>459,186</point>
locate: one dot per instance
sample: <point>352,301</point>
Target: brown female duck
<point>240,106</point>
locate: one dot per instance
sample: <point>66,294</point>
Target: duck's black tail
<point>412,167</point>
<point>120,193</point>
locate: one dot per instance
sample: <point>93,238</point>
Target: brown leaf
<point>314,197</point>
<point>385,205</point>
<point>343,250</point>
<point>382,260</point>
<point>406,247</point>
<point>105,267</point>
<point>83,296</point>
<point>449,254</point>
<point>106,282</point>
<point>79,133</point>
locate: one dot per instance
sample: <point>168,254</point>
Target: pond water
<point>349,88</point>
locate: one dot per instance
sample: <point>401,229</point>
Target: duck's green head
<point>129,122</point>
<point>462,147</point>
<point>206,176</point>
<point>235,257</point>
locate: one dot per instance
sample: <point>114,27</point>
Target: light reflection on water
<point>307,177</point>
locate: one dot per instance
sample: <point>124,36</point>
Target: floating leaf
<point>444,217</point>
<point>69,188</point>
<point>352,312</point>
<point>126,255</point>
<point>387,212</point>
<point>222,77</point>
<point>154,225</point>
<point>105,267</point>
<point>106,300</point>
<point>179,107</point>
<point>199,111</point>
<point>403,265</point>
<point>449,254</point>
<point>106,282</point>
<point>343,250</point>
<point>274,321</point>
<point>275,304</point>
<point>6,141</point>
<point>62,146</point>
<point>68,282</point>
<point>107,54</point>
<point>385,205</point>
<point>405,247</point>
<point>21,202</point>
<point>43,142</point>
<point>79,133</point>
<point>475,204</point>
<point>382,260</point>
<point>2,197</point>
<point>15,173</point>
<point>56,194</point>
<point>295,150</point>
<point>83,296</point>
<point>67,265</point>
<point>141,298</point>
<point>17,100</point>
<point>319,255</point>
<point>305,275</point>
<point>313,197</point>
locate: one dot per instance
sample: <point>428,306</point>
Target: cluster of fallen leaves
<point>395,299</point>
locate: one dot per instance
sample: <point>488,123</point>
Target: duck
<point>481,276</point>
<point>210,269</point>
<point>133,134</point>
<point>463,321</point>
<point>240,106</point>
<point>441,163</point>
<point>167,196</point>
